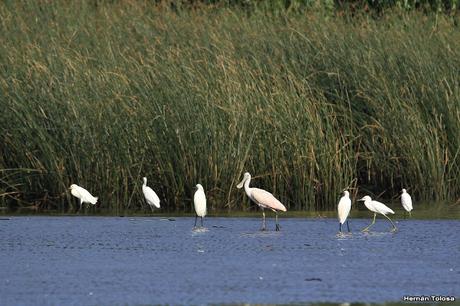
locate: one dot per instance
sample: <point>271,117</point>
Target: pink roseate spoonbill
<point>150,196</point>
<point>377,208</point>
<point>262,198</point>
<point>343,209</point>
<point>82,194</point>
<point>406,201</point>
<point>199,202</point>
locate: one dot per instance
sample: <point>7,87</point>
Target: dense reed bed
<point>310,104</point>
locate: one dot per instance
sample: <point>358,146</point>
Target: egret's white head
<point>404,190</point>
<point>73,186</point>
<point>145,180</point>
<point>346,193</point>
<point>246,177</point>
<point>199,187</point>
<point>365,198</point>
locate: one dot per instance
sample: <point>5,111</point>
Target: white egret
<point>377,208</point>
<point>199,201</point>
<point>262,198</point>
<point>343,209</point>
<point>150,195</point>
<point>82,194</point>
<point>406,201</point>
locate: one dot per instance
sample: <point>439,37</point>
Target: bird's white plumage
<point>406,200</point>
<point>344,207</point>
<point>82,194</point>
<point>199,201</point>
<point>376,206</point>
<point>150,196</point>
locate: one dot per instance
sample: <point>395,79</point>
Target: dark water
<point>138,261</point>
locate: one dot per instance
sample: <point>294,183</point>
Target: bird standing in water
<point>150,196</point>
<point>199,202</point>
<point>343,209</point>
<point>406,201</point>
<point>377,208</point>
<point>262,198</point>
<point>82,194</point>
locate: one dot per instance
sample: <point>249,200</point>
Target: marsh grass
<point>308,103</point>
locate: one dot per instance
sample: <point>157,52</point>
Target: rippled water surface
<point>139,261</point>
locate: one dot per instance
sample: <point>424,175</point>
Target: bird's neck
<point>246,186</point>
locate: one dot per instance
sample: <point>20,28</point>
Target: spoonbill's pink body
<point>262,198</point>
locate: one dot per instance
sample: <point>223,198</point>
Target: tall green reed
<point>101,95</point>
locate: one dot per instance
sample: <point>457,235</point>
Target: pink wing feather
<point>266,199</point>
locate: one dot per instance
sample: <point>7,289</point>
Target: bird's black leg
<point>340,227</point>
<point>201,221</point>
<point>348,226</point>
<point>196,218</point>
<point>263,221</point>
<point>277,227</point>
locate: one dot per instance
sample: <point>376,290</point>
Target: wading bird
<point>377,208</point>
<point>406,201</point>
<point>344,208</point>
<point>262,198</point>
<point>82,194</point>
<point>199,201</point>
<point>150,195</point>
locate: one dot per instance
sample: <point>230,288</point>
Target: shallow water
<point>133,261</point>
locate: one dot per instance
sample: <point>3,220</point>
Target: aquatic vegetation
<point>101,94</point>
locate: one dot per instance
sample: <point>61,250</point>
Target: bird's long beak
<point>240,185</point>
<point>360,199</point>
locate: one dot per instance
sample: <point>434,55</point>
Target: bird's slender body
<point>150,196</point>
<point>343,209</point>
<point>377,208</point>
<point>406,201</point>
<point>82,194</point>
<point>263,198</point>
<point>199,202</point>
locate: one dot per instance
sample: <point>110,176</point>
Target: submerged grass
<point>101,95</point>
